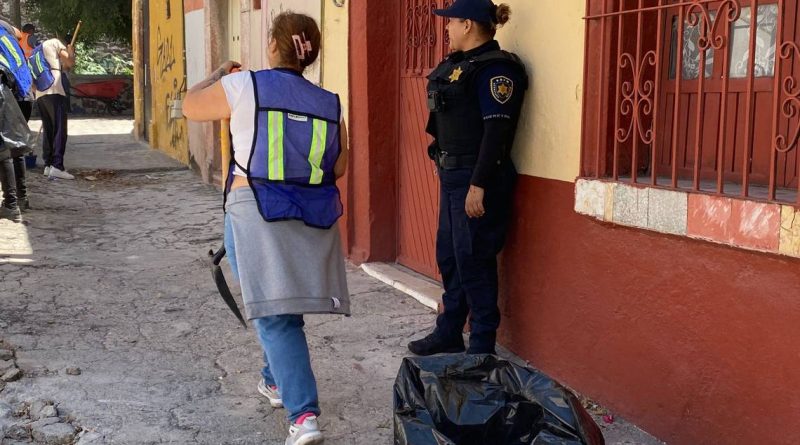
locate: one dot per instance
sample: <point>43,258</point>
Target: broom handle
<point>75,34</point>
<point>225,145</point>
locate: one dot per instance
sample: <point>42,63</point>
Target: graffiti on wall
<point>165,53</point>
<point>175,127</point>
<point>168,77</point>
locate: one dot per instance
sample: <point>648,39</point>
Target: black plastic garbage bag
<point>481,400</point>
<point>16,134</point>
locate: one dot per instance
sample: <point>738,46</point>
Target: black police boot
<point>480,351</point>
<point>434,344</point>
<point>482,343</point>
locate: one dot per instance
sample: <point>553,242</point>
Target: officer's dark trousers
<point>466,252</point>
<point>53,109</point>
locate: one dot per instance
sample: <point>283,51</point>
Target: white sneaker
<point>306,433</point>
<point>60,174</point>
<point>271,393</point>
<point>47,171</point>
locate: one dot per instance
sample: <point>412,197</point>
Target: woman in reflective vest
<point>289,146</point>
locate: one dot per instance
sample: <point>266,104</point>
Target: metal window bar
<point>420,34</point>
<point>710,139</point>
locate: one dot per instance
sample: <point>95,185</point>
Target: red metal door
<point>423,44</point>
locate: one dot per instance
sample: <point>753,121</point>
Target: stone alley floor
<point>108,310</point>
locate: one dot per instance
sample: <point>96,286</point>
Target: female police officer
<point>474,97</point>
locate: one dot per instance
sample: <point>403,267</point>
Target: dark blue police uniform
<point>475,99</point>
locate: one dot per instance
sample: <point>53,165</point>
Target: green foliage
<point>90,61</point>
<point>102,19</point>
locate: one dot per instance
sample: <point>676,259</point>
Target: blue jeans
<point>287,363</point>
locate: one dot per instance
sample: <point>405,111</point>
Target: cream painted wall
<point>335,68</point>
<point>257,47</point>
<point>549,37</point>
<point>195,48</point>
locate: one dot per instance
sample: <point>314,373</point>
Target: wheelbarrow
<point>109,92</point>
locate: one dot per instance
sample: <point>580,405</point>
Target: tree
<point>16,13</point>
<point>110,19</point>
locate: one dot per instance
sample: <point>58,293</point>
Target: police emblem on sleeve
<point>502,88</point>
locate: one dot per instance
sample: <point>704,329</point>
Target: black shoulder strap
<point>499,55</point>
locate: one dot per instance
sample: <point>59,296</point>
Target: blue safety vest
<point>295,148</point>
<point>13,59</point>
<point>41,70</point>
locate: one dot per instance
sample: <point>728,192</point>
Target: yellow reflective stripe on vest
<point>10,47</point>
<point>4,61</point>
<point>275,122</point>
<point>318,140</point>
<point>39,62</point>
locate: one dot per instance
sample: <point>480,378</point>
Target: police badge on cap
<point>502,88</point>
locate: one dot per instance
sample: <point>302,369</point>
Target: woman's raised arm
<point>206,101</point>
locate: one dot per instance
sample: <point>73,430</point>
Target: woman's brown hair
<point>298,39</point>
<point>501,16</point>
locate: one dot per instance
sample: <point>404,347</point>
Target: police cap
<point>477,10</point>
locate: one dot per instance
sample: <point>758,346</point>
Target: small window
<point>691,50</point>
<point>766,30</point>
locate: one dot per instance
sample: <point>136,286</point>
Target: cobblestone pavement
<point>110,316</point>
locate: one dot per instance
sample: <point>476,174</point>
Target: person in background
<point>16,76</point>
<point>28,40</point>
<point>53,107</point>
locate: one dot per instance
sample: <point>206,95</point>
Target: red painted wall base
<point>695,342</point>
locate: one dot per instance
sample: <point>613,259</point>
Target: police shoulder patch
<point>502,88</point>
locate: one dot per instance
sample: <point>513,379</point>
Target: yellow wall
<point>335,72</point>
<point>167,72</point>
<point>548,36</point>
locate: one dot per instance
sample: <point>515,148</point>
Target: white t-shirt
<point>51,48</point>
<point>241,98</point>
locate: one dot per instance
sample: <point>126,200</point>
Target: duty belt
<point>450,162</point>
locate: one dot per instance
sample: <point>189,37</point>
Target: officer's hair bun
<point>503,14</point>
